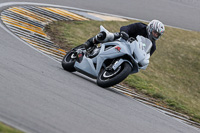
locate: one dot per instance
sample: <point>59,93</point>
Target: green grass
<point>173,74</point>
<point>7,129</point>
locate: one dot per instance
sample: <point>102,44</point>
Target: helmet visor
<point>156,34</point>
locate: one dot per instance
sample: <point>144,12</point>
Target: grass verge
<point>7,129</point>
<point>173,74</point>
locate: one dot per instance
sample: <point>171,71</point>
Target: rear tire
<point>68,62</point>
<point>107,78</point>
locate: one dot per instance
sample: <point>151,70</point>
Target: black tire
<point>68,62</point>
<point>119,75</point>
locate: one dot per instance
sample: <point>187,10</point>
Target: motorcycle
<point>111,62</point>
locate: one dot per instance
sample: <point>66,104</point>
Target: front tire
<point>109,78</point>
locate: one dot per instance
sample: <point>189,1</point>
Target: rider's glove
<point>124,35</point>
<point>116,35</point>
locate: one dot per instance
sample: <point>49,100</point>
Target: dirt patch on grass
<point>58,35</point>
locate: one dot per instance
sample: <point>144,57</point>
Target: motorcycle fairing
<point>88,65</point>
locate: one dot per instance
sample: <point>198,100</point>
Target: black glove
<point>124,35</point>
<point>116,35</point>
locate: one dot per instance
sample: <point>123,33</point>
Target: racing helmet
<point>157,27</point>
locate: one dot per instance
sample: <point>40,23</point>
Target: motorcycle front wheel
<point>109,78</point>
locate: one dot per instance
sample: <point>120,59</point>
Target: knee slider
<point>101,36</point>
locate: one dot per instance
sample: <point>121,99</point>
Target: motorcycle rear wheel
<point>109,78</point>
<point>68,62</point>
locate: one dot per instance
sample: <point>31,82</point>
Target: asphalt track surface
<point>178,13</point>
<point>37,95</point>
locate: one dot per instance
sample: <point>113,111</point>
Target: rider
<point>152,31</point>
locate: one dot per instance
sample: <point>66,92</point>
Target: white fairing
<point>142,47</point>
<point>142,51</point>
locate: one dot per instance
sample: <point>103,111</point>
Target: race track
<point>38,96</point>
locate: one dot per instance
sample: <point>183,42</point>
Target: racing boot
<point>89,44</point>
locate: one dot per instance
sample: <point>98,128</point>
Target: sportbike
<point>111,62</point>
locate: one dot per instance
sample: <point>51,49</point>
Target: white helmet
<point>157,27</point>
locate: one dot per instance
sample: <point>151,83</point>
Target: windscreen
<point>145,43</point>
